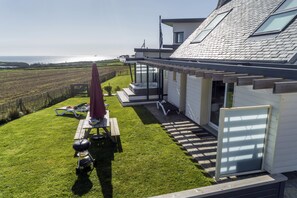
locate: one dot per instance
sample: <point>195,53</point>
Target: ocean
<point>51,59</point>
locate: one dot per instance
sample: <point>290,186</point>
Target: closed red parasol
<point>97,107</point>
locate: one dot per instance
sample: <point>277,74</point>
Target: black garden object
<point>85,161</point>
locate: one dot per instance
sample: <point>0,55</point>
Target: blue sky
<point>87,27</point>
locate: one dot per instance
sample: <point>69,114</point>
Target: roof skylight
<point>210,27</point>
<point>279,19</point>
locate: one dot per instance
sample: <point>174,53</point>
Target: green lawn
<point>120,81</point>
<point>37,159</point>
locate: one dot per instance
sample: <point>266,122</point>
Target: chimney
<point>222,2</point>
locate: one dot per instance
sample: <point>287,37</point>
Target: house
<point>236,75</point>
<point>139,91</point>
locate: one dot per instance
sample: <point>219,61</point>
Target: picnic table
<point>104,123</point>
<point>84,127</point>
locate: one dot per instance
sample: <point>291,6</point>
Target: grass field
<point>120,81</point>
<point>25,82</point>
<point>37,157</point>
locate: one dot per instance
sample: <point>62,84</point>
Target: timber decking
<point>125,101</point>
<point>199,143</point>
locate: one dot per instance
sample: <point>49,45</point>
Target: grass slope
<point>120,81</point>
<point>37,159</point>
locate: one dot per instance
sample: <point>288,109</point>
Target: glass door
<point>217,102</point>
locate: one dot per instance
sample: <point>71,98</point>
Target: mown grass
<point>37,159</point>
<point>120,81</point>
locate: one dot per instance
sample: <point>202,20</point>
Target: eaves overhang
<point>170,22</point>
<point>281,77</point>
<point>153,50</point>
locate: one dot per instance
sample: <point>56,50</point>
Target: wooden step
<point>123,98</point>
<point>128,92</point>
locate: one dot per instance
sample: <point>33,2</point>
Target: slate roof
<point>231,40</point>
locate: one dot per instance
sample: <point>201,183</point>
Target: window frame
<point>275,13</point>
<point>176,37</point>
<point>210,30</point>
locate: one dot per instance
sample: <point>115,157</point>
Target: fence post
<point>72,90</point>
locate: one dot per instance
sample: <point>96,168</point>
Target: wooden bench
<point>114,129</point>
<point>80,132</point>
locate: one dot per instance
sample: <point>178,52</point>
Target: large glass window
<point>279,19</point>
<point>178,37</point>
<point>288,4</point>
<point>210,27</point>
<point>221,96</point>
<point>217,101</point>
<point>229,95</point>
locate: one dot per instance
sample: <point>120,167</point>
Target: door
<point>217,102</point>
<point>221,96</point>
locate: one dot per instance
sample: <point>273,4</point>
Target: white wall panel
<point>187,28</point>
<point>174,89</point>
<point>246,96</point>
<point>193,98</point>
<point>286,140</point>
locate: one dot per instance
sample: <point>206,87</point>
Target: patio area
<point>195,140</point>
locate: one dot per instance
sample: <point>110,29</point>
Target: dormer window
<point>214,23</point>
<point>178,37</point>
<point>279,19</point>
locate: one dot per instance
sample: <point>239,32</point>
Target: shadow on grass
<point>145,115</point>
<point>81,116</point>
<point>82,185</point>
<point>103,152</point>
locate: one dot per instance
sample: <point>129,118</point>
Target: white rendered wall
<point>286,142</point>
<point>246,96</point>
<point>193,98</point>
<point>187,28</point>
<point>139,55</point>
<point>173,89</point>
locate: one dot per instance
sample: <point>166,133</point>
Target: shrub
<point>108,89</point>
<point>117,88</point>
